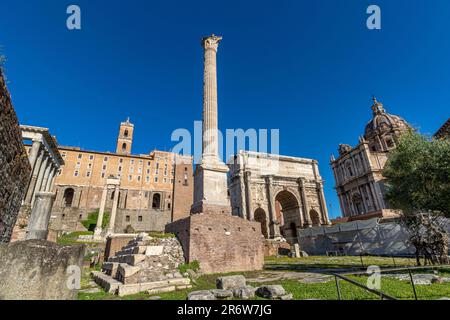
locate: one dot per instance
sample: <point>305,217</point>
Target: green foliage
<point>161,235</point>
<point>418,175</point>
<point>91,221</point>
<point>194,265</point>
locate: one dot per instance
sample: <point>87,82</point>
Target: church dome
<point>383,123</point>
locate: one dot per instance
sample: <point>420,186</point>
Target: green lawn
<point>324,291</point>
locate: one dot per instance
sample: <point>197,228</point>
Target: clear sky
<point>308,68</point>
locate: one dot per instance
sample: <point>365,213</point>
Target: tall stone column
<point>40,177</point>
<point>46,177</point>
<point>98,228</point>
<point>51,175</point>
<point>307,218</point>
<point>210,104</point>
<point>210,180</point>
<point>112,221</point>
<point>274,224</point>
<point>34,176</point>
<point>34,152</point>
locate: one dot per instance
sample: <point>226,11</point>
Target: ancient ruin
<point>211,235</point>
<point>281,193</point>
<point>14,165</point>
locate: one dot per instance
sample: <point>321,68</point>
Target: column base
<point>40,216</point>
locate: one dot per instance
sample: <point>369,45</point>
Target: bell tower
<point>125,139</point>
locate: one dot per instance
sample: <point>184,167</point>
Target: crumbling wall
<point>15,167</point>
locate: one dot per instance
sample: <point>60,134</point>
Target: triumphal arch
<point>282,193</point>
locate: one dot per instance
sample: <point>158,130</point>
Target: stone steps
<point>155,287</point>
<point>108,284</point>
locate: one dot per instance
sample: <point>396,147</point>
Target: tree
<point>418,182</point>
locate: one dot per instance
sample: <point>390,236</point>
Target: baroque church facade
<point>358,170</point>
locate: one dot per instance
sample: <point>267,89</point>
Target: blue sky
<point>308,68</point>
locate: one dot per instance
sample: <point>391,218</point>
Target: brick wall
<point>15,168</point>
<point>221,243</point>
<point>183,190</point>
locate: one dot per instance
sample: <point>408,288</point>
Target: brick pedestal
<point>221,243</point>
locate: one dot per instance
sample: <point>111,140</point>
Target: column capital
<point>211,42</point>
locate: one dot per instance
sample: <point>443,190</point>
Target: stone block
<point>222,294</point>
<point>230,282</point>
<point>201,295</point>
<point>247,292</point>
<point>39,270</point>
<point>271,291</point>
<point>161,290</point>
<point>154,250</point>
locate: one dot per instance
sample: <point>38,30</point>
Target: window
<point>157,172</point>
<point>88,174</point>
<point>141,162</point>
<point>168,206</point>
<point>63,154</point>
<point>120,169</point>
<point>156,202</point>
<point>140,219</point>
<point>156,179</point>
<point>146,194</point>
<point>105,159</point>
<point>125,134</point>
<point>121,160</point>
<point>185,179</point>
<point>90,166</point>
<point>148,171</point>
<point>165,172</point>
<point>80,156</point>
<point>78,165</point>
<point>75,174</point>
<point>139,178</point>
<point>131,170</point>
<point>139,170</point>
<point>104,167</point>
<point>127,218</point>
<point>157,165</point>
<point>130,178</point>
<point>103,174</point>
<point>132,161</point>
<point>124,147</point>
<point>149,163</point>
<point>91,157</point>
<point>147,179</point>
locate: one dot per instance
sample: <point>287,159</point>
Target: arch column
<point>40,176</point>
<point>248,196</point>
<point>305,204</point>
<point>34,176</point>
<point>274,224</point>
<point>323,204</point>
<point>112,221</point>
<point>98,227</point>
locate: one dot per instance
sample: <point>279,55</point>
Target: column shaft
<point>40,177</point>
<point>112,221</point>
<point>98,228</point>
<point>34,176</point>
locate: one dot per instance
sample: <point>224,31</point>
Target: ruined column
<point>51,175</point>
<point>112,221</point>
<point>40,216</point>
<point>307,218</point>
<point>34,176</point>
<point>98,228</point>
<point>40,177</point>
<point>34,152</point>
<point>274,224</point>
<point>46,177</point>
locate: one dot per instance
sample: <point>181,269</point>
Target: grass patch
<point>161,235</point>
<point>194,265</point>
<point>91,222</point>
<point>72,238</point>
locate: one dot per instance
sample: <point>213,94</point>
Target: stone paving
<point>302,277</point>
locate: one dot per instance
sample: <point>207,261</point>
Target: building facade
<point>282,193</point>
<point>146,187</point>
<point>444,131</point>
<point>358,170</point>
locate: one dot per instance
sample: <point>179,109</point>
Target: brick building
<point>154,187</point>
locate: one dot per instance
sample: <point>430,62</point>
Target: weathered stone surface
<point>222,294</point>
<point>38,270</point>
<point>15,168</point>
<point>230,282</point>
<point>287,297</point>
<point>154,250</point>
<point>247,292</point>
<point>419,279</point>
<point>271,291</point>
<point>220,243</point>
<point>201,295</point>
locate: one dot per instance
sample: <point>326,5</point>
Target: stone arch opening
<point>156,201</point>
<point>315,217</point>
<point>68,197</point>
<point>288,214</point>
<point>124,146</point>
<point>261,217</point>
<point>125,134</point>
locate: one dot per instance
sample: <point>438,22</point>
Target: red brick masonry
<point>221,243</point>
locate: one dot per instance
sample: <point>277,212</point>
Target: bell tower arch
<point>125,138</point>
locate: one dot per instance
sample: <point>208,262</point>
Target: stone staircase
<point>145,264</point>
